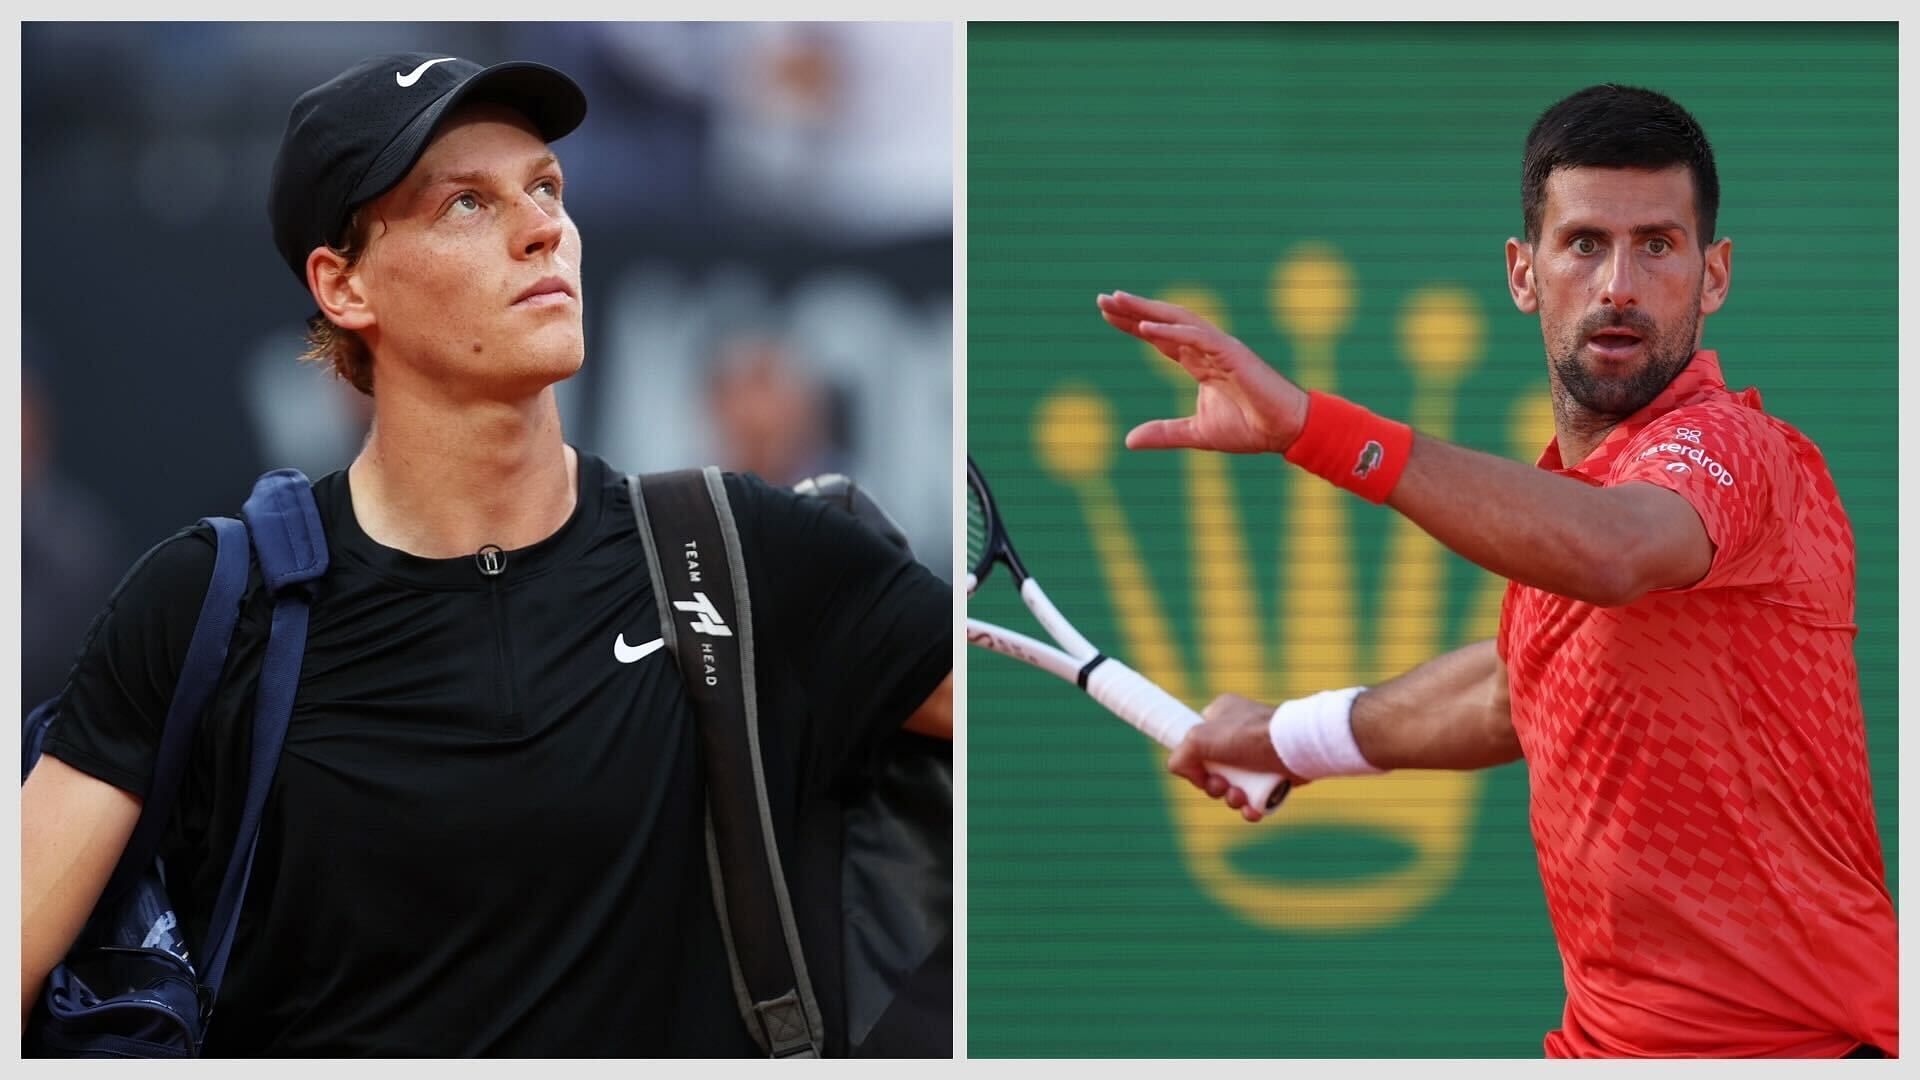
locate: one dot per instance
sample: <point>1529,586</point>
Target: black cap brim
<point>548,98</point>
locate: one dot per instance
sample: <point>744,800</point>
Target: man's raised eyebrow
<point>1574,228</point>
<point>436,179</point>
<point>1660,227</point>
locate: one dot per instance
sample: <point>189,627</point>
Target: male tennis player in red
<point>1675,654</point>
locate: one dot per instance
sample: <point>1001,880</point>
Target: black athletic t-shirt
<point>486,832</point>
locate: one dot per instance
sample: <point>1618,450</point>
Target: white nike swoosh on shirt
<point>414,76</point>
<point>628,654</point>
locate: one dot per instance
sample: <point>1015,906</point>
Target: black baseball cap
<point>358,134</point>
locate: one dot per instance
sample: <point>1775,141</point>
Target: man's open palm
<point>1243,407</point>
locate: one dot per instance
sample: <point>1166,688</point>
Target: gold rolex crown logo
<point>1309,635</point>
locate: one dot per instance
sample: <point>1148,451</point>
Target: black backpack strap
<point>693,555</point>
<point>291,546</point>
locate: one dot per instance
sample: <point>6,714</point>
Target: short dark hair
<point>1618,127</point>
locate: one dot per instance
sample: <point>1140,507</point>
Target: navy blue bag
<point>129,987</point>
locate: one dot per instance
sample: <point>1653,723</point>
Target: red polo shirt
<point>1700,798</point>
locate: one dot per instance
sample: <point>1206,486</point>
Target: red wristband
<point>1350,447</point>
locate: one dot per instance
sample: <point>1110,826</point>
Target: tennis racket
<point>1124,691</point>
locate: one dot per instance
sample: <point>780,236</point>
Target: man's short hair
<point>1618,127</point>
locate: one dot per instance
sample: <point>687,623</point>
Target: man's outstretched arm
<point>1606,546</point>
<point>1449,713</point>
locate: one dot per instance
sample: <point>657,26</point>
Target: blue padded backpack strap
<point>200,674</point>
<point>279,678</point>
<point>291,546</point>
<point>287,535</point>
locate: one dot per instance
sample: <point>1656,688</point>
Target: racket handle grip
<point>1166,719</point>
<point>1264,790</point>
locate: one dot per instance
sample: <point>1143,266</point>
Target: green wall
<point>1338,195</point>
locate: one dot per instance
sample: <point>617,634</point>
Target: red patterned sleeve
<point>1735,468</point>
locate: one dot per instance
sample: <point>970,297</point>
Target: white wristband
<point>1314,736</point>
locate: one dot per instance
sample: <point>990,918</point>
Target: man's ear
<point>338,290</point>
<point>1716,276</point>
<point>1520,275</point>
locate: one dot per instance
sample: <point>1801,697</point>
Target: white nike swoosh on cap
<point>414,76</point>
<point>628,654</point>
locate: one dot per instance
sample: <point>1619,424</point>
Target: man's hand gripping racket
<point>1125,692</point>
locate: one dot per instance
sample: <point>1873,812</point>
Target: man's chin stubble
<point>1602,401</point>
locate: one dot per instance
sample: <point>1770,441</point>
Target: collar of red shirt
<point>1697,382</point>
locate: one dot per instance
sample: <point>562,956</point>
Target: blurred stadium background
<point>1337,196</point>
<point>766,214</point>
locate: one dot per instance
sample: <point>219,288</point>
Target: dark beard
<point>1604,400</point>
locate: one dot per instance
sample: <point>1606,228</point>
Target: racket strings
<point>979,528</point>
